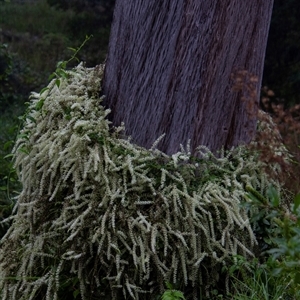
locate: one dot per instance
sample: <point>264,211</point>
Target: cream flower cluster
<point>110,220</point>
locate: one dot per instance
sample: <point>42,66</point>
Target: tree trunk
<point>191,69</point>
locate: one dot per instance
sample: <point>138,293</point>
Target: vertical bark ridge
<point>170,64</point>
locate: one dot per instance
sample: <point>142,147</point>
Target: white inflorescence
<point>102,216</point>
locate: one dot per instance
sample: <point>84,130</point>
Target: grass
<point>258,283</point>
<point>259,286</point>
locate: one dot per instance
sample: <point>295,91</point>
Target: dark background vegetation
<point>36,34</point>
<point>282,65</point>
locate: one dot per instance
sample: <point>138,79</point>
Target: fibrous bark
<point>190,69</point>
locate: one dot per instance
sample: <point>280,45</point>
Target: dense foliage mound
<point>101,218</point>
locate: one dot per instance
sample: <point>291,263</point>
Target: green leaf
<point>169,285</point>
<point>297,278</point>
<point>24,150</point>
<point>178,294</point>
<point>52,76</point>
<point>172,295</point>
<point>255,195</point>
<point>64,65</point>
<point>61,65</point>
<point>276,271</point>
<point>57,82</point>
<point>31,119</point>
<point>75,293</point>
<point>7,145</point>
<point>8,156</point>
<point>11,179</point>
<point>72,49</point>
<point>43,90</point>
<point>292,264</point>
<point>40,104</point>
<point>61,73</point>
<point>296,202</point>
<point>273,196</point>
<point>23,136</point>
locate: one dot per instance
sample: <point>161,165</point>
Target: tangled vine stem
<point>102,217</point>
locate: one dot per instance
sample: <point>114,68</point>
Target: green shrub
<point>276,272</point>
<point>284,240</point>
<point>172,294</point>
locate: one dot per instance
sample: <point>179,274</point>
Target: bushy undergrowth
<point>286,126</point>
<point>275,273</point>
<point>100,217</point>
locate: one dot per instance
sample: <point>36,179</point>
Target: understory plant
<point>258,284</point>
<point>286,119</point>
<point>101,218</point>
<point>171,293</point>
<point>277,223</point>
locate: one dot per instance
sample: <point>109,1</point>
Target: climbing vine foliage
<point>101,218</point>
